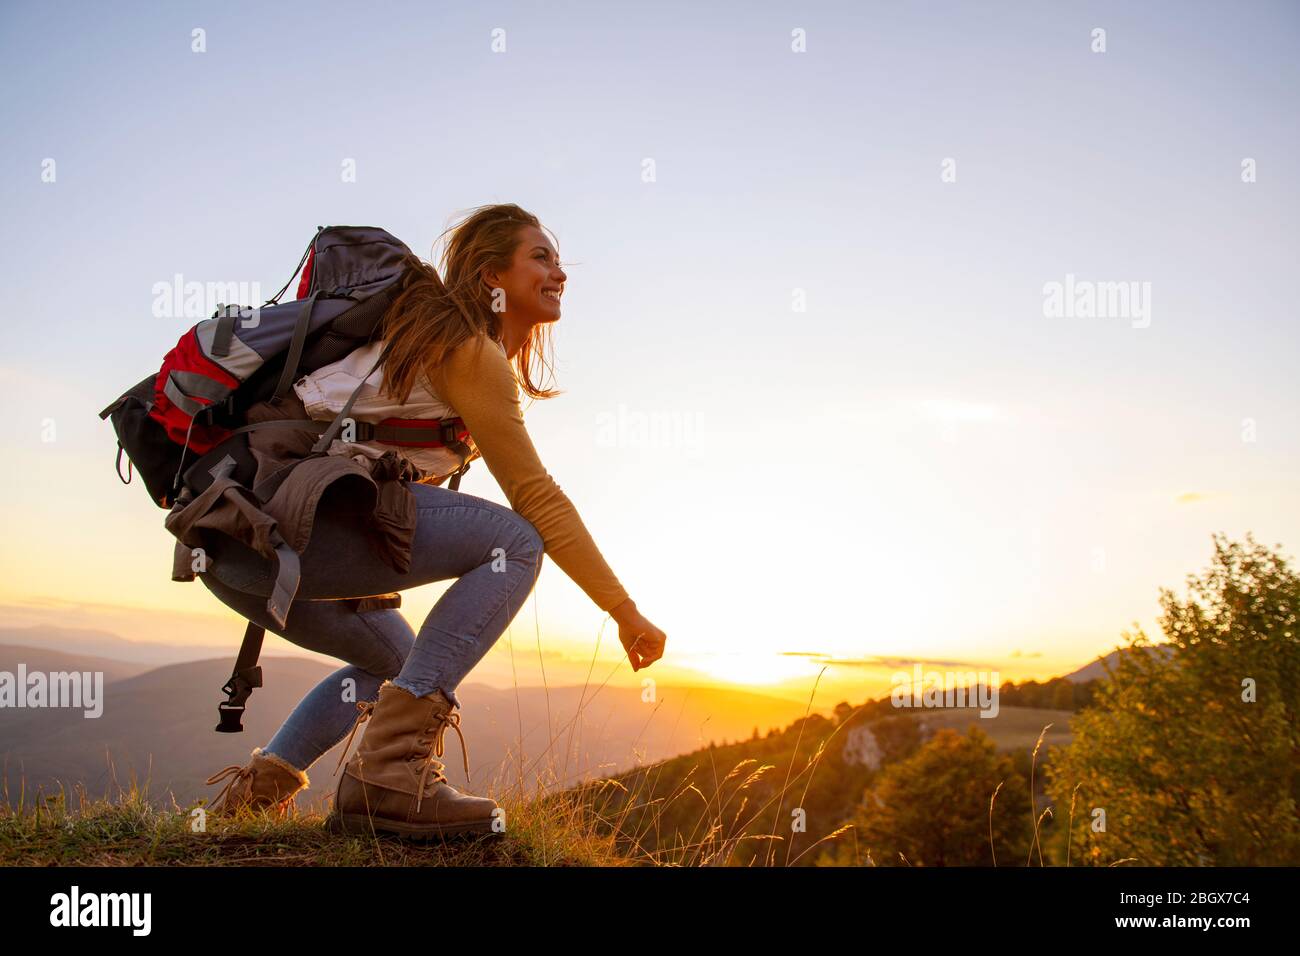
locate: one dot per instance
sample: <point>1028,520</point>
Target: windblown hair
<point>434,314</point>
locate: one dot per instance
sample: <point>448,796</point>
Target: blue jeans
<point>494,553</point>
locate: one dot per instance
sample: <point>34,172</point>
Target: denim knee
<point>530,545</point>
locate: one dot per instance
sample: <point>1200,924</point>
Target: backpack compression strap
<point>434,434</point>
<point>410,432</point>
<point>245,677</point>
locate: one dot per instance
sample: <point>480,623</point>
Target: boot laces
<point>236,775</point>
<point>433,766</point>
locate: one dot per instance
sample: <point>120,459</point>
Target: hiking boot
<point>393,783</point>
<point>267,782</point>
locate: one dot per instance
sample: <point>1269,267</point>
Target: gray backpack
<point>183,426</point>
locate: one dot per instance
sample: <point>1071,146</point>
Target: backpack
<point>184,424</point>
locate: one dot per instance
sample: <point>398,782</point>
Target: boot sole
<point>356,823</point>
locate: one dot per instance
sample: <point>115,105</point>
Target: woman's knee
<point>518,541</point>
<point>532,537</point>
<point>529,545</point>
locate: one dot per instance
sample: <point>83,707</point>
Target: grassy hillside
<point>780,799</point>
<point>128,830</point>
<point>720,805</point>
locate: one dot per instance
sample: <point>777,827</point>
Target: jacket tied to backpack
<point>277,517</point>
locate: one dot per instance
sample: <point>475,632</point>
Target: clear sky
<point>879,444</point>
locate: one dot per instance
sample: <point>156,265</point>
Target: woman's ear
<point>490,277</point>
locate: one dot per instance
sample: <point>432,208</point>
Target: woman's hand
<point>643,641</point>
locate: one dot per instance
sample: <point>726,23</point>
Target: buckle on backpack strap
<point>239,688</point>
<point>229,715</point>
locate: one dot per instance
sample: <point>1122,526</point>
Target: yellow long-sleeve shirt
<point>478,381</point>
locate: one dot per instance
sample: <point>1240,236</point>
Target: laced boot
<point>393,783</point>
<point>266,783</point>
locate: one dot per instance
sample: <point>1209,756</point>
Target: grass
<point>726,820</point>
<point>126,829</point>
<point>575,827</point>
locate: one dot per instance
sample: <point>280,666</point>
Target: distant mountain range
<point>92,643</point>
<point>46,659</point>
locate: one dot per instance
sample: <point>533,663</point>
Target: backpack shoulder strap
<point>329,434</point>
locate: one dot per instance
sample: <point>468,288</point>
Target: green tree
<point>933,807</point>
<point>1194,755</point>
<point>898,736</point>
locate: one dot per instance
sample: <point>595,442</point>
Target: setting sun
<point>753,670</point>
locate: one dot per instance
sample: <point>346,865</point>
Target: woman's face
<point>534,282</point>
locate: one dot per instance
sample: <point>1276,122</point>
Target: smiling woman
<point>501,279</point>
<point>533,279</point>
<point>447,352</point>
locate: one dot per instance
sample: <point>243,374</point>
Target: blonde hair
<point>432,315</point>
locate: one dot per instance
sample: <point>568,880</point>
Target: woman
<point>450,348</point>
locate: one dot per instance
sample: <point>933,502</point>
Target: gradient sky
<point>919,465</point>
